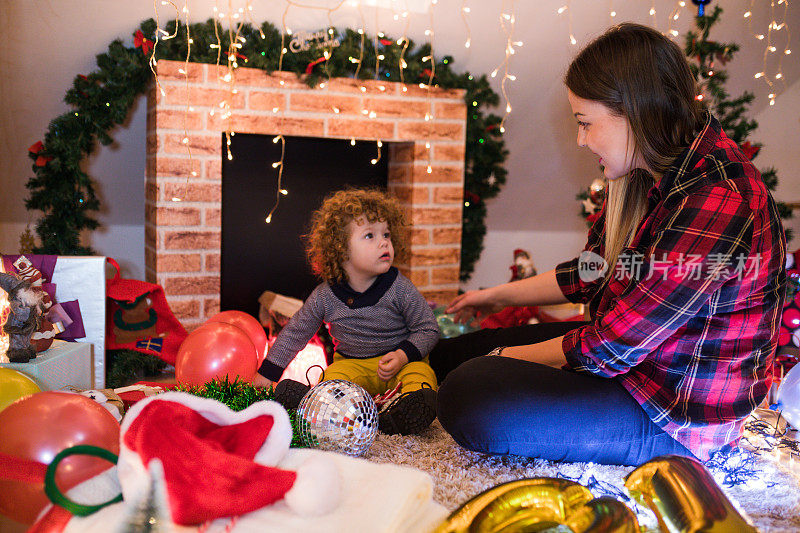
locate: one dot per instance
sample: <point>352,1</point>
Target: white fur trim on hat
<point>316,488</point>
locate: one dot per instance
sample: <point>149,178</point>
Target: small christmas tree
<point>706,59</point>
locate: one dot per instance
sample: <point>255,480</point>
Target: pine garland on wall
<point>102,100</point>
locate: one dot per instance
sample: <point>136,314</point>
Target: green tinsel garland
<point>102,100</point>
<point>238,395</point>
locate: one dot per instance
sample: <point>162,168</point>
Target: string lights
<point>432,72</point>
<point>464,11</point>
<point>567,8</point>
<point>507,23</point>
<point>673,17</point>
<point>769,47</point>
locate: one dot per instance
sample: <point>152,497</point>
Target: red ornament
<point>36,147</point>
<point>314,63</point>
<point>140,41</point>
<point>426,72</point>
<point>386,42</point>
<point>791,318</point>
<point>749,150</point>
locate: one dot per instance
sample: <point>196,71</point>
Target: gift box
<point>77,282</point>
<point>64,364</point>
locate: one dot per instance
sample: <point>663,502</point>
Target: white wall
<point>48,42</point>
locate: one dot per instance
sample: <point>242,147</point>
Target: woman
<point>683,272</point>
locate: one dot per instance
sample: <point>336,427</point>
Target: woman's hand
<point>261,381</point>
<point>473,304</point>
<point>390,364</point>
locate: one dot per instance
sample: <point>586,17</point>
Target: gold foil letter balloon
<point>538,504</point>
<point>684,496</point>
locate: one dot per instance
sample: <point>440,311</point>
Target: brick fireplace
<point>182,239</point>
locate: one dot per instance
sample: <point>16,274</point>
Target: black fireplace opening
<point>257,256</point>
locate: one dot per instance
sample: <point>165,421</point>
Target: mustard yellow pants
<point>364,372</point>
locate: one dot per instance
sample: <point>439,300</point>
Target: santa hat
<point>217,462</point>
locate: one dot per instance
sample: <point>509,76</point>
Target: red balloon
<point>251,326</point>
<point>213,351</point>
<point>38,427</point>
<point>791,318</point>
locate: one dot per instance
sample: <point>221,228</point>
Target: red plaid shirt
<point>688,321</point>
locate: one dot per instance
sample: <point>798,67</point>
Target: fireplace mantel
<point>182,239</point>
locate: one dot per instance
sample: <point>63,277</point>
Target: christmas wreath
<point>102,99</point>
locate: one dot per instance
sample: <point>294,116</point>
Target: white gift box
<point>64,364</point>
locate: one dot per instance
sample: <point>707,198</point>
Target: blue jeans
<point>499,405</point>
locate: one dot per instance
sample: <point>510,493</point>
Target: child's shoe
<point>289,392</point>
<point>409,413</point>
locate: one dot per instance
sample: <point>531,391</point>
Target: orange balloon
<point>38,427</point>
<point>251,326</point>
<point>213,351</point>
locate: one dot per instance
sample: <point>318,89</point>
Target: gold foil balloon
<point>538,504</point>
<point>603,515</point>
<point>684,496</point>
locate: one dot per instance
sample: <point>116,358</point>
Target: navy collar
<point>369,297</point>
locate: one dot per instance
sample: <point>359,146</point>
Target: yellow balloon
<point>15,385</point>
<point>538,504</point>
<point>684,496</point>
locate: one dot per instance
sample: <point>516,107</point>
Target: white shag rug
<point>771,498</point>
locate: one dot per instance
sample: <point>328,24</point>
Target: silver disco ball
<point>338,415</point>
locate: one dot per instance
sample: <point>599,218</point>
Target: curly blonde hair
<point>327,242</point>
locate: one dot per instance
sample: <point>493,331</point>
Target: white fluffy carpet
<point>771,497</point>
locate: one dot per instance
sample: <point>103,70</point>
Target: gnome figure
<point>26,308</point>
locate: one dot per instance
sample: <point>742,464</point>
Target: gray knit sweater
<point>390,315</point>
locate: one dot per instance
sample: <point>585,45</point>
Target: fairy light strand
<point>567,8</point>
<point>464,11</point>
<point>429,111</point>
<point>673,18</point>
<point>611,12</point>
<point>507,23</point>
<point>653,13</point>
<point>189,108</point>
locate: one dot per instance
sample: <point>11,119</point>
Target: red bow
<point>426,72</point>
<point>386,42</point>
<point>36,147</point>
<point>314,63</point>
<point>749,150</point>
<point>42,160</point>
<point>140,41</point>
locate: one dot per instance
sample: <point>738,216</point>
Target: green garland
<point>102,100</point>
<point>238,395</point>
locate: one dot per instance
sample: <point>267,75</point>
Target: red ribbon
<point>42,160</point>
<point>314,63</point>
<point>140,41</point>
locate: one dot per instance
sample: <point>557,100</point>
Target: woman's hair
<point>639,74</point>
<point>327,242</point>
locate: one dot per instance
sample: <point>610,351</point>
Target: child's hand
<point>261,381</point>
<point>391,363</point>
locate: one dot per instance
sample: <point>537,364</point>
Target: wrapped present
<point>75,294</point>
<point>64,364</point>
